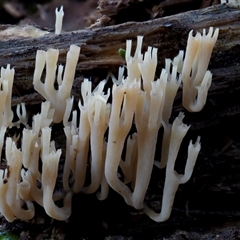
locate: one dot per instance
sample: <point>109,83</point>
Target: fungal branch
<point>105,136</point>
<point>196,78</point>
<point>57,98</point>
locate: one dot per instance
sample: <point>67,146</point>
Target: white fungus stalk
<point>32,176</point>
<point>49,177</point>
<point>71,134</point>
<point>5,209</point>
<point>2,135</point>
<point>22,115</point>
<point>172,86</point>
<point>196,79</point>
<point>120,123</point>
<point>148,68</point>
<point>71,152</point>
<point>173,179</point>
<point>67,113</point>
<point>3,96</point>
<point>59,20</point>
<point>58,97</point>
<point>8,74</point>
<point>24,187</point>
<point>13,156</point>
<point>103,193</point>
<point>147,124</point>
<point>79,165</point>
<point>27,145</point>
<point>132,62</point>
<point>129,164</point>
<point>69,72</point>
<point>98,116</point>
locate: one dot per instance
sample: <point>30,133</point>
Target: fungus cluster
<point>101,133</point>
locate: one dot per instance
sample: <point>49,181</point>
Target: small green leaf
<point>122,52</point>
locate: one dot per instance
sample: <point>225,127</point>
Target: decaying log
<point>99,52</point>
<point>120,11</point>
<point>100,46</point>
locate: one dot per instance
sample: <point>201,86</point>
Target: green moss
<point>122,52</point>
<point>8,236</point>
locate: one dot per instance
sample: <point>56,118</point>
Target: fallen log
<point>99,53</point>
<point>99,47</point>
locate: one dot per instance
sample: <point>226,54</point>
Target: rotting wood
<point>99,50</point>
<point>100,46</point>
<point>215,177</point>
